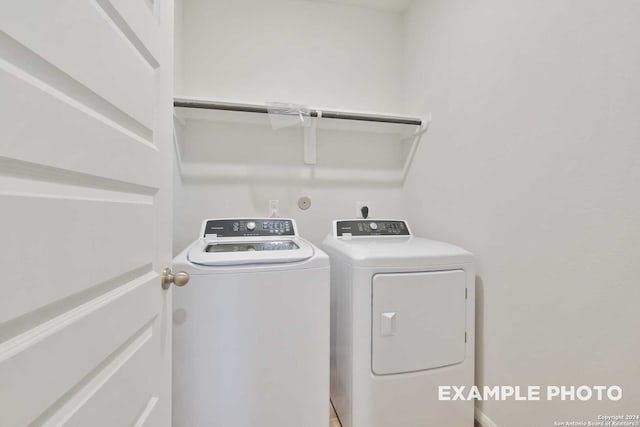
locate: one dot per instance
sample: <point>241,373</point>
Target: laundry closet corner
<point>251,52</point>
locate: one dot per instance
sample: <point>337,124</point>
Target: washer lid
<point>249,250</point>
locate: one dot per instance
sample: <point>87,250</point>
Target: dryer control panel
<point>249,227</point>
<point>371,227</point>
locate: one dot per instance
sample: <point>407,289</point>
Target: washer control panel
<point>372,227</point>
<point>249,227</point>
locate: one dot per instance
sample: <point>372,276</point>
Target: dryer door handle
<point>388,323</point>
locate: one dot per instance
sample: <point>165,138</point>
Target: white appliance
<point>402,324</point>
<point>251,329</point>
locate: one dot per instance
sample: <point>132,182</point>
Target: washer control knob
<point>251,226</point>
<point>373,226</point>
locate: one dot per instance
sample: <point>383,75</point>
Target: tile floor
<point>333,418</point>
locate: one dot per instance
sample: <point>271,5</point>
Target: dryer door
<point>418,321</point>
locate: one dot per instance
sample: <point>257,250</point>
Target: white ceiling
<point>391,5</point>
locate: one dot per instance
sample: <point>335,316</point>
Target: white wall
<point>305,52</point>
<point>240,199</point>
<point>533,163</point>
<point>315,53</point>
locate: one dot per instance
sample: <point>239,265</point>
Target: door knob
<point>180,278</point>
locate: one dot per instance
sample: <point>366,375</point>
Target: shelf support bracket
<point>415,141</point>
<point>310,140</point>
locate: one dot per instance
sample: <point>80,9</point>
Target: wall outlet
<point>273,208</point>
<point>359,206</point>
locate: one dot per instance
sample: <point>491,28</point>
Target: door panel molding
<point>80,39</point>
<point>25,65</point>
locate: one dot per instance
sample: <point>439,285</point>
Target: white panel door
<point>85,212</point>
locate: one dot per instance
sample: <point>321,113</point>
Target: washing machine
<point>402,325</point>
<point>251,328</point>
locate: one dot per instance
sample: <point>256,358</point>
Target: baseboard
<point>482,420</point>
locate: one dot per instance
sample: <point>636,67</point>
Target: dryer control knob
<point>251,226</point>
<point>373,226</point>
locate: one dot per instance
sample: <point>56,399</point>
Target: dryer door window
<point>418,321</point>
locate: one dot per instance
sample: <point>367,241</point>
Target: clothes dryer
<point>402,324</point>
